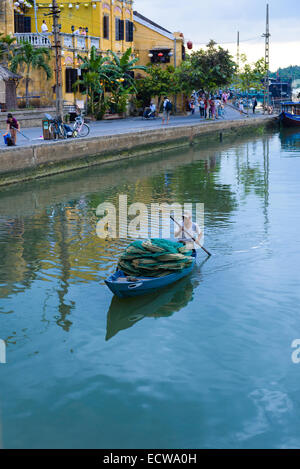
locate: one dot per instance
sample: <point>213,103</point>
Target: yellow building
<point>105,24</point>
<point>155,44</point>
<point>6,17</point>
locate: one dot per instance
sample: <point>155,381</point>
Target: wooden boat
<point>290,114</point>
<point>124,287</point>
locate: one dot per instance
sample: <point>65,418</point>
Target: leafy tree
<point>159,82</point>
<point>291,72</point>
<point>30,57</point>
<point>207,69</point>
<point>251,76</point>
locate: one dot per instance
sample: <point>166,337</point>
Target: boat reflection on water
<point>124,313</point>
<point>290,140</point>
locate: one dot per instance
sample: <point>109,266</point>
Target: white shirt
<point>194,230</point>
<point>44,28</point>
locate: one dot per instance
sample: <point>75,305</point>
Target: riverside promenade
<point>131,124</point>
<point>113,140</point>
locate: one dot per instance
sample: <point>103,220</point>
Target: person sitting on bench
<point>150,112</point>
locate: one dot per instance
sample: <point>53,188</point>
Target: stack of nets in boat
<point>154,258</point>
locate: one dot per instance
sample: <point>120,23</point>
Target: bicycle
<point>56,128</point>
<point>80,129</point>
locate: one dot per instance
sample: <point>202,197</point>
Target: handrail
<point>34,39</point>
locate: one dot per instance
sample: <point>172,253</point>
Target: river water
<point>206,363</point>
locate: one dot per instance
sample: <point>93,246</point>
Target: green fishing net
<point>154,258</point>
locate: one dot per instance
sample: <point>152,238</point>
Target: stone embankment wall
<point>38,160</point>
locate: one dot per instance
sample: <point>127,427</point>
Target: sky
<point>202,20</point>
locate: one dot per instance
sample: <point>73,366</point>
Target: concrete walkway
<point>122,126</point>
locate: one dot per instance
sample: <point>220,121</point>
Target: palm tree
<point>6,47</point>
<point>31,57</point>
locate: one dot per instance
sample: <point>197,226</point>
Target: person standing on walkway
<point>207,108</point>
<point>241,107</point>
<point>201,107</point>
<point>167,108</point>
<point>254,104</point>
<point>218,104</point>
<point>192,107</point>
<point>213,109</point>
<point>12,125</point>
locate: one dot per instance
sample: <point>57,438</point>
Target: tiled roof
<point>136,13</point>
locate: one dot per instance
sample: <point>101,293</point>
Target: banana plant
<point>30,57</point>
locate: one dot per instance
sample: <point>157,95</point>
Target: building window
<point>119,29</point>
<point>129,31</point>
<point>71,78</point>
<point>106,27</point>
<point>22,23</point>
<point>160,56</point>
<point>81,72</point>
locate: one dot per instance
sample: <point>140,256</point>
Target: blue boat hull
<point>289,120</point>
<point>141,286</point>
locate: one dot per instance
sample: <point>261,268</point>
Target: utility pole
<point>57,48</point>
<point>238,50</point>
<point>267,35</point>
<point>175,64</point>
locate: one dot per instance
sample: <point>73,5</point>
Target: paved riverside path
<point>121,126</point>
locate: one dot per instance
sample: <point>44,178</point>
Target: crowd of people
<point>242,103</point>
<point>210,107</point>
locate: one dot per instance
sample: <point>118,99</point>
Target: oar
<point>186,232</point>
<point>23,134</point>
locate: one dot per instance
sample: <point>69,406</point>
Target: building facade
<point>104,24</point>
<point>156,45</point>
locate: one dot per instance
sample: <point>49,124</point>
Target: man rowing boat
<point>188,227</point>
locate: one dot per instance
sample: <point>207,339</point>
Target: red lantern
<point>189,45</point>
